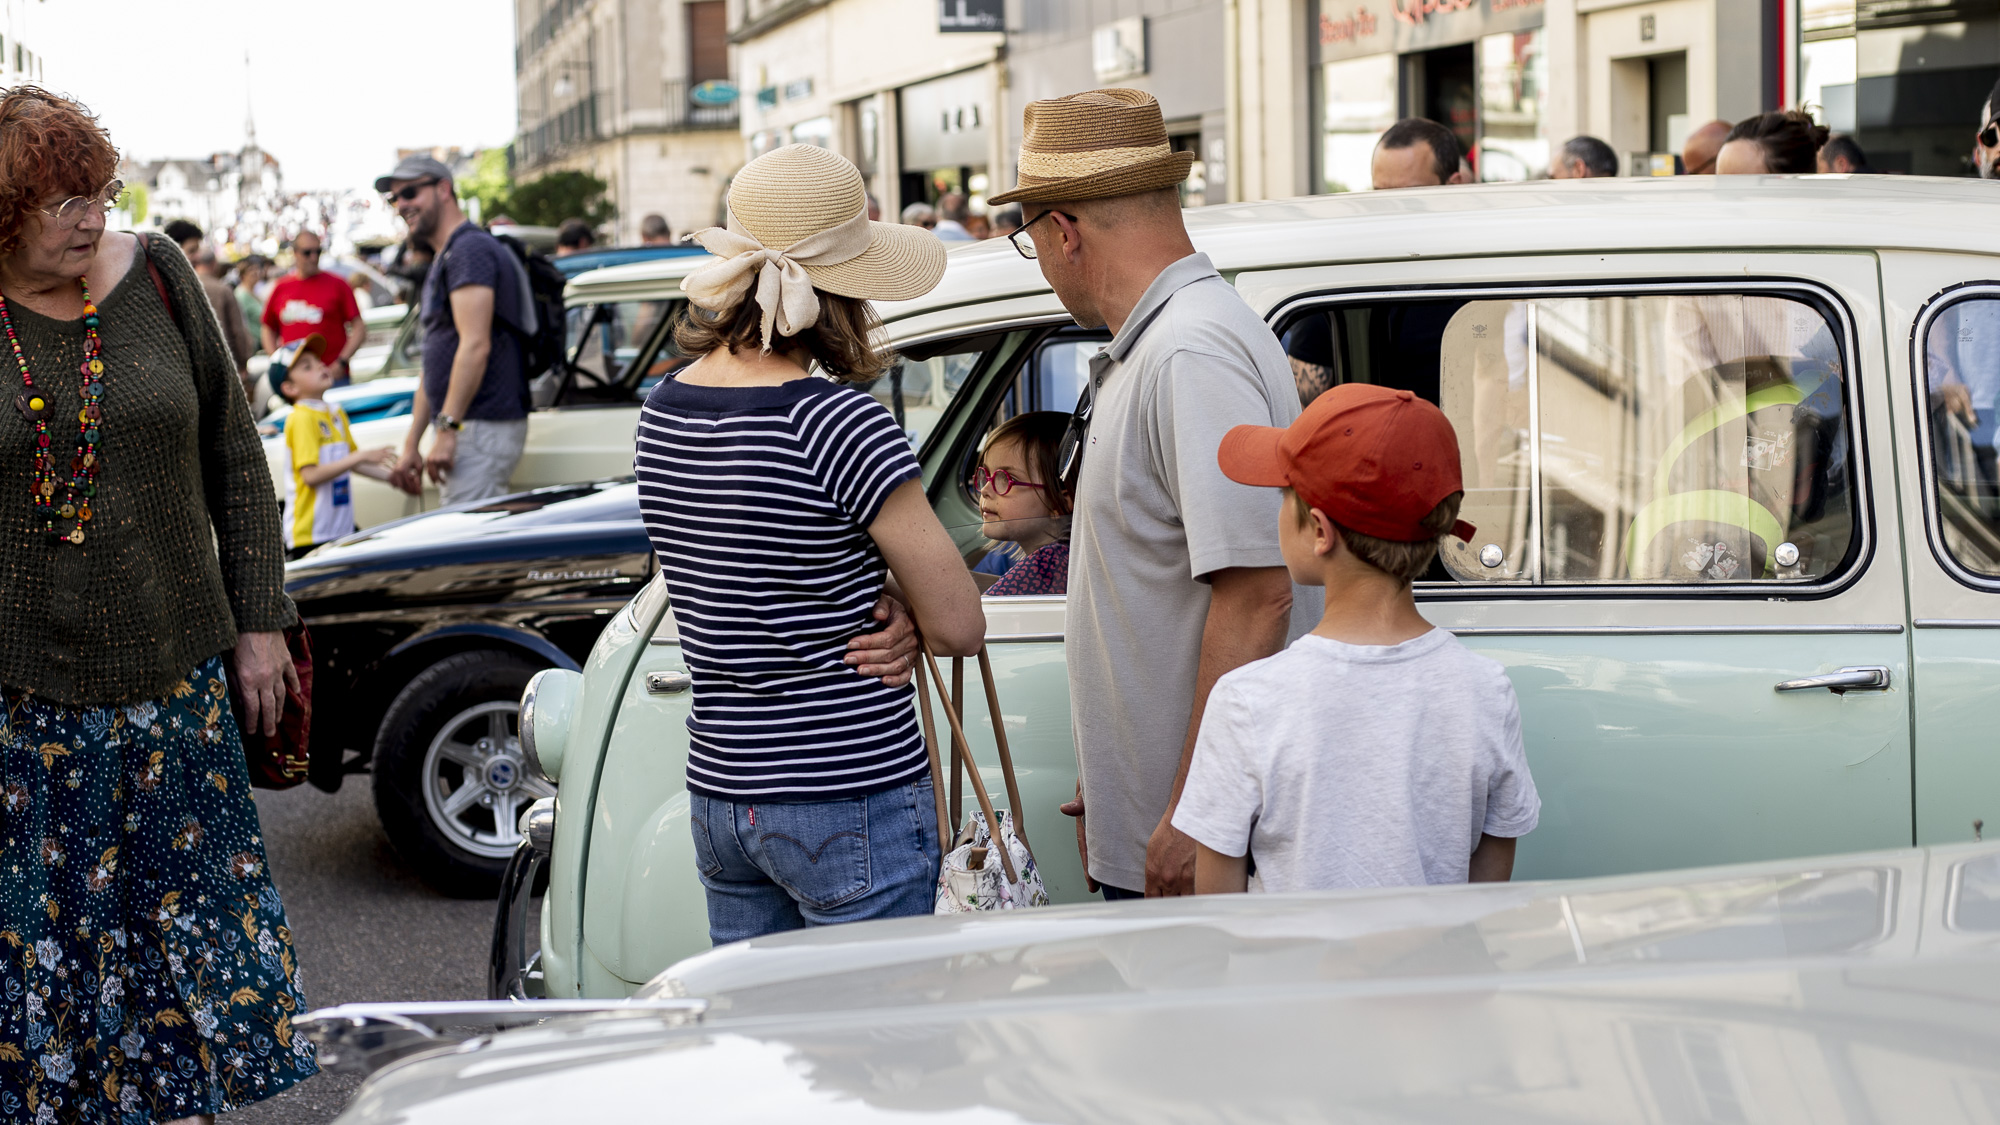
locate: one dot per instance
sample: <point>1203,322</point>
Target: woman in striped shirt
<point>782,506</point>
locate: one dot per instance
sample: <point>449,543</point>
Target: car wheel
<point>450,781</point>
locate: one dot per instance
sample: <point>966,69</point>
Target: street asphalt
<point>364,926</point>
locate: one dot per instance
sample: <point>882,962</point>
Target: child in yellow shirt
<point>319,450</point>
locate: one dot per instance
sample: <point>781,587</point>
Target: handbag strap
<point>964,751</point>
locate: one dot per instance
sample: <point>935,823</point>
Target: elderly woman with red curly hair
<point>146,971</point>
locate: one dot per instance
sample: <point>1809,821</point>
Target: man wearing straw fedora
<point>1175,571</point>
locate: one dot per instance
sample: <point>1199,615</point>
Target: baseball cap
<point>288,354</point>
<point>1376,460</point>
<point>416,166</point>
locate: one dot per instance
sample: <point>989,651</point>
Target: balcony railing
<point>579,123</point>
<point>685,115</point>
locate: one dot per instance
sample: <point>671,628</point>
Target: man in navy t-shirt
<point>473,388</point>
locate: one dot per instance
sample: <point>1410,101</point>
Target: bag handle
<point>963,751</point>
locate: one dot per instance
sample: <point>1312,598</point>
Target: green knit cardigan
<point>183,550</point>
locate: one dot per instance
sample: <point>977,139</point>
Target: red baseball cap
<point>1375,460</point>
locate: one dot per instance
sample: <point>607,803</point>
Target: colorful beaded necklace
<point>33,403</point>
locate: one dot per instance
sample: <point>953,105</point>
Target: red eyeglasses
<point>1000,480</point>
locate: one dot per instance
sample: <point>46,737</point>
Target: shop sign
<point>715,91</point>
<point>972,15</point>
<point>1351,28</point>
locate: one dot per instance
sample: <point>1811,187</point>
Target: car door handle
<point>1870,678</point>
<point>668,683</point>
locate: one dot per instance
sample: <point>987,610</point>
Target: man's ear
<point>1072,238</point>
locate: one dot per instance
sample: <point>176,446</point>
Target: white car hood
<point>1858,988</point>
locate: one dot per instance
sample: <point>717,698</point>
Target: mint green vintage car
<point>1730,447</point>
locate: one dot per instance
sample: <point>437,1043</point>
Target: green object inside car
<point>1709,505</point>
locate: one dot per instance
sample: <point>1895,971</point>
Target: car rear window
<point>1652,439</point>
<point>1961,395</point>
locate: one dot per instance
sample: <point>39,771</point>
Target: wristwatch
<point>447,422</point>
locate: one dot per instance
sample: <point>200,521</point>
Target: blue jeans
<point>774,867</point>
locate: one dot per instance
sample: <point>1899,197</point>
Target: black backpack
<point>539,324</point>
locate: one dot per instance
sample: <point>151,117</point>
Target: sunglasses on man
<point>408,192</point>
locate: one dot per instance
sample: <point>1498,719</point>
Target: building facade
<point>910,90</point>
<point>1282,98</point>
<point>19,37</point>
<point>630,91</point>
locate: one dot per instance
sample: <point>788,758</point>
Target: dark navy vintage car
<point>424,633</point>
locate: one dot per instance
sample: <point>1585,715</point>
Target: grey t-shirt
<point>1155,515</point>
<point>1350,766</point>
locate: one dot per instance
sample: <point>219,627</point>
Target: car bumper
<point>512,973</point>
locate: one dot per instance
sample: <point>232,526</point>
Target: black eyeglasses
<point>1025,245</point>
<point>408,193</point>
<point>312,253</point>
<point>1990,136</point>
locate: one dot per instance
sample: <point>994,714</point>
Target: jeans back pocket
<point>816,851</point>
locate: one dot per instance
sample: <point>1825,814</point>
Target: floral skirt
<point>146,972</point>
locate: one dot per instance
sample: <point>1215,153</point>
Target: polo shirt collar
<point>1183,273</point>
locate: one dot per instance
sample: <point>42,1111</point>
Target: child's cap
<point>1374,459</point>
<point>288,354</point>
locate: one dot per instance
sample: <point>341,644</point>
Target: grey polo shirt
<point>1154,517</point>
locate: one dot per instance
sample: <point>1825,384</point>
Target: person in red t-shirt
<point>307,301</point>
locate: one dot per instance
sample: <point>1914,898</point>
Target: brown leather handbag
<point>278,761</point>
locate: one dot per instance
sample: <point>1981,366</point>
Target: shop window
<point>1962,410</point>
<point>1513,73</point>
<point>1360,105</point>
<point>1686,439</point>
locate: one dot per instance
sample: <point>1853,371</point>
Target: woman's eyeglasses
<point>71,211</point>
<point>410,192</point>
<point>999,480</point>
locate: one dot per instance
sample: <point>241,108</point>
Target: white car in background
<point>584,418</point>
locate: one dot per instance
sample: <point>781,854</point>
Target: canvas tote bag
<point>987,864</point>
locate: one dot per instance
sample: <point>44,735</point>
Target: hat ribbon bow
<point>784,292</point>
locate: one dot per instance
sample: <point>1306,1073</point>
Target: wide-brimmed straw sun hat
<point>1095,145</point>
<point>798,221</point>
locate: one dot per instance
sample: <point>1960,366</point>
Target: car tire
<point>449,778</point>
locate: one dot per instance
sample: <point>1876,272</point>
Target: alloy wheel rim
<point>476,781</point>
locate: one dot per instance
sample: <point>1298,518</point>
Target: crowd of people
<point>1418,152</point>
<point>149,972</point>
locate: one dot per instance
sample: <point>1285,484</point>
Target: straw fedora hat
<point>1095,145</point>
<point>798,221</point>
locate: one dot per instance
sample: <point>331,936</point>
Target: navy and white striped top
<point>757,500</point>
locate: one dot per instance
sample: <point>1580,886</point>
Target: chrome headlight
<point>546,710</point>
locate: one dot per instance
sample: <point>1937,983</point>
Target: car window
<point>918,391</point>
<point>1961,373</point>
<point>605,337</point>
<point>1655,439</point>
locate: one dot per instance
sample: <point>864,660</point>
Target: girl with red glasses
<point>1020,503</point>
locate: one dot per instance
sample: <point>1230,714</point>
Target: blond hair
<point>1405,562</point>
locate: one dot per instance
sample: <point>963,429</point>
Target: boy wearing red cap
<point>1375,751</point>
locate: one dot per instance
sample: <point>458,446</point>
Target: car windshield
<point>604,338</point>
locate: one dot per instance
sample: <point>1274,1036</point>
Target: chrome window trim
<point>979,328</point>
<point>1926,464</point>
<point>1668,630</point>
<point>1957,623</point>
<point>1820,295</point>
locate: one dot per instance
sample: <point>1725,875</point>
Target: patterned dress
<point>1044,572</point>
<point>146,972</point>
